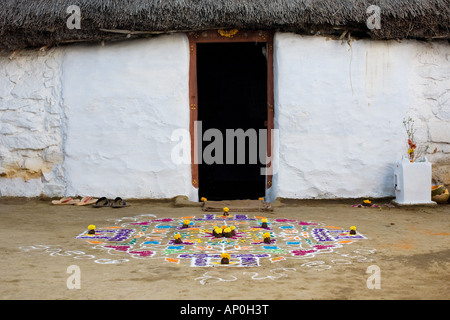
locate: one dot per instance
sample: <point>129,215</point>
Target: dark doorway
<point>232,94</point>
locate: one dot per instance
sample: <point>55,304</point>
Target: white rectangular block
<point>412,182</point>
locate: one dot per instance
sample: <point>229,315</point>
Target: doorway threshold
<point>237,206</point>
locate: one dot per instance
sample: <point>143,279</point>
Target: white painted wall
<point>339,110</point>
<point>123,101</point>
<point>31,120</point>
<point>98,120</point>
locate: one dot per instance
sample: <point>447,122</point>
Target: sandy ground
<point>410,246</point>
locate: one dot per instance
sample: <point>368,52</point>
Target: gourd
<point>441,198</point>
<point>437,190</point>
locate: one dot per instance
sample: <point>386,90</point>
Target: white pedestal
<point>412,181</point>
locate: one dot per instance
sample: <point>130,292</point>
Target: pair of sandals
<point>104,202</point>
<point>78,202</point>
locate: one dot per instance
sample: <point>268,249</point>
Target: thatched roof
<point>34,23</point>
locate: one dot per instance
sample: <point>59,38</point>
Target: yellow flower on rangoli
<point>225,255</point>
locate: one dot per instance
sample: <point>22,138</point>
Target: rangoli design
<point>196,241</point>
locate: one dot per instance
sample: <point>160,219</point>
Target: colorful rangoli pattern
<point>147,237</point>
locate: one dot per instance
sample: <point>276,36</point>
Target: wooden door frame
<point>228,36</point>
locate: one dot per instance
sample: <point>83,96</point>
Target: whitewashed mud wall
<point>339,109</point>
<point>123,102</point>
<point>95,120</point>
<point>31,124</point>
<point>432,105</point>
<point>98,120</point>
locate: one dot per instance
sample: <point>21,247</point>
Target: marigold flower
<point>91,229</point>
<point>226,209</point>
<point>203,199</point>
<point>226,230</point>
<point>261,198</point>
<point>225,255</point>
<point>367,201</point>
<point>266,235</point>
<point>177,236</point>
<point>264,220</point>
<point>352,228</point>
<point>186,222</point>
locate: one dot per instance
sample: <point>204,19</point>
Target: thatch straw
<point>43,22</point>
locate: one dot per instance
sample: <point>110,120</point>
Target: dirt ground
<point>408,245</point>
